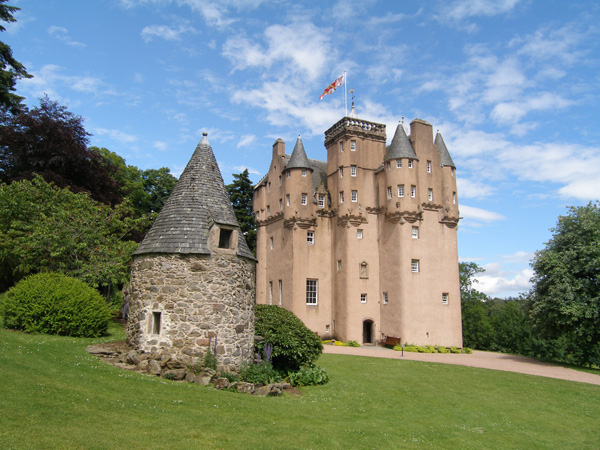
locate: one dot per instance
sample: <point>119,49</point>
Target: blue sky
<point>513,85</point>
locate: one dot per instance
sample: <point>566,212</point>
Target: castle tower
<point>193,276</point>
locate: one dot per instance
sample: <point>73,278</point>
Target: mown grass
<point>53,395</point>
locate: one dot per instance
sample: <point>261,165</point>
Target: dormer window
<point>321,201</point>
<point>224,238</point>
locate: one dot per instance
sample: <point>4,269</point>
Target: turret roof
<point>445,159</point>
<point>198,201</point>
<point>400,146</point>
<point>298,159</point>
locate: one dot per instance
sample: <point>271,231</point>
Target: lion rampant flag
<point>332,87</point>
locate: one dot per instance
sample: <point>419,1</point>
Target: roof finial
<point>402,120</point>
<point>353,111</point>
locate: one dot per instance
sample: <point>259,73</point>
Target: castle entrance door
<point>368,331</point>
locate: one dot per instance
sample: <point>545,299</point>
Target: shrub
<point>352,344</point>
<point>454,349</point>
<point>294,345</point>
<point>442,349</point>
<point>231,377</point>
<point>467,350</point>
<point>53,303</point>
<point>260,373</point>
<point>309,376</point>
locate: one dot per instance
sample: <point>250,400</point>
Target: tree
<point>52,142</point>
<point>566,284</point>
<point>158,184</point>
<point>512,330</point>
<point>241,194</point>
<point>477,329</point>
<point>11,70</point>
<point>45,228</point>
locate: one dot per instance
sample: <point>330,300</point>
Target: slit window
<point>156,317</point>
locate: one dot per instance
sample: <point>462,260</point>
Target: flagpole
<point>345,94</point>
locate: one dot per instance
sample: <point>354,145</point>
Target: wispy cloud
<point>166,32</point>
<point>117,135</point>
<point>479,215</point>
<point>246,140</point>
<point>62,34</point>
<point>498,281</point>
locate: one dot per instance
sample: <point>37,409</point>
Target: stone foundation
<point>180,304</point>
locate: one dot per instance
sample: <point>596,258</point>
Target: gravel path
<point>485,360</point>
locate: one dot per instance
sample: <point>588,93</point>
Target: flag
<point>329,89</point>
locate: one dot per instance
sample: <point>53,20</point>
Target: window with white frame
<point>354,196</point>
<point>341,147</point>
<point>413,191</point>
<point>430,195</point>
<point>312,287</point>
<point>452,171</point>
<point>445,298</point>
<point>400,190</point>
<point>321,201</point>
<point>359,234</point>
<point>389,192</point>
<point>287,199</point>
<point>415,232</point>
<point>304,198</point>
<point>280,291</point>
<point>341,171</point>
<point>341,196</point>
<point>303,172</point>
<point>271,242</point>
<point>414,265</point>
<point>310,237</point>
<point>410,164</point>
<point>352,171</point>
<point>385,298</point>
<point>270,292</point>
<point>352,146</point>
<point>428,166</point>
<point>398,164</point>
<point>363,298</point>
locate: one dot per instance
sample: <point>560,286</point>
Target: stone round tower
<point>193,276</point>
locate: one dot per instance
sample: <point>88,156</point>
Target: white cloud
<point>240,169</point>
<point>519,257</point>
<point>461,9</point>
<point>162,146</point>
<point>496,282</point>
<point>62,34</point>
<point>512,112</point>
<point>116,135</point>
<point>166,32</point>
<point>468,188</point>
<point>480,215</point>
<point>246,140</point>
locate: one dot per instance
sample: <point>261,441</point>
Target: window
<point>400,190</point>
<point>327,329</point>
<point>224,238</point>
<point>156,322</point>
<point>303,172</point>
<point>452,170</point>
<point>280,291</point>
<point>321,201</point>
<point>385,298</point>
<point>354,196</point>
<point>342,197</point>
<point>388,165</point>
<point>398,164</point>
<point>279,180</point>
<point>352,146</point>
<point>341,172</point>
<point>352,171</point>
<point>428,166</point>
<point>454,198</point>
<point>311,291</point>
<point>268,210</point>
<point>339,265</point>
<point>270,292</point>
<point>269,185</point>
<point>389,192</point>
<point>363,298</point>
<point>310,237</point>
<point>359,234</point>
<point>280,204</point>
<point>414,265</point>
<point>445,298</point>
<point>410,164</point>
<point>430,195</point>
<point>304,199</point>
<point>287,199</point>
<point>415,232</point>
<point>257,215</point>
<point>413,191</point>
<point>271,242</point>
<point>341,147</point>
<point>288,174</point>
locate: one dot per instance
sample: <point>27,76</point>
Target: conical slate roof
<point>198,200</point>
<point>446,160</point>
<point>298,159</point>
<point>400,146</point>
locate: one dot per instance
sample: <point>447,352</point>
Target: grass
<point>56,396</point>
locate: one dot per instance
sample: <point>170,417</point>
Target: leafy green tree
<point>566,284</point>
<point>158,185</point>
<point>510,321</point>
<point>477,329</point>
<point>52,142</point>
<point>45,228</point>
<point>241,193</point>
<point>11,70</point>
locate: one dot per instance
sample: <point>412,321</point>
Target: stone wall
<point>195,299</point>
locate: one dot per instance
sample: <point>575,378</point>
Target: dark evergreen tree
<point>241,194</point>
<point>11,70</point>
<point>158,185</point>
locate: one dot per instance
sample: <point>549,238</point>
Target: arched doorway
<point>368,331</point>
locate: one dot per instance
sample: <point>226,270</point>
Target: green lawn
<point>53,395</point>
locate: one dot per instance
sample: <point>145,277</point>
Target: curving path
<point>484,360</point>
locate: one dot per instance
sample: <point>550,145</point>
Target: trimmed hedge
<point>294,345</point>
<point>53,303</point>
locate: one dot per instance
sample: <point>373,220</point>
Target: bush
<point>53,303</point>
<point>442,349</point>
<point>454,349</point>
<point>352,344</point>
<point>467,350</point>
<point>261,373</point>
<point>294,345</point>
<point>309,376</point>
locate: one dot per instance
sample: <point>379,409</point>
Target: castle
<point>363,246</point>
